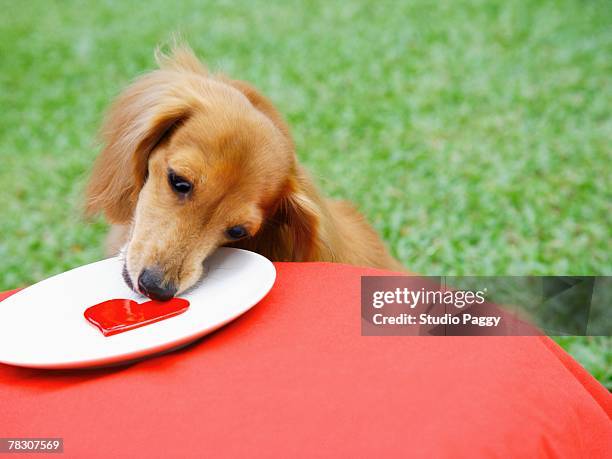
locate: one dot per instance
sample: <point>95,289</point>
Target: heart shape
<point>120,315</point>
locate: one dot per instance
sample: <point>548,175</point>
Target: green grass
<point>475,135</point>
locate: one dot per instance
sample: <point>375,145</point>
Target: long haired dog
<point>192,161</point>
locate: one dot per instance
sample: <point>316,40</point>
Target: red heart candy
<point>120,315</point>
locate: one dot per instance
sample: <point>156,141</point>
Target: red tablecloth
<point>294,377</point>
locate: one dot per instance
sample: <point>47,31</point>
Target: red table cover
<point>294,377</point>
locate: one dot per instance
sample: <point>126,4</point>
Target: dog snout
<point>151,283</point>
<point>126,277</point>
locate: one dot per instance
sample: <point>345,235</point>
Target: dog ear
<point>294,230</point>
<point>300,218</point>
<point>140,119</point>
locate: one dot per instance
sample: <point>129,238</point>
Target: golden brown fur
<point>233,145</point>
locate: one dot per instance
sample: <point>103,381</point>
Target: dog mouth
<point>127,278</point>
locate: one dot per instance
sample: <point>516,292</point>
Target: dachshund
<point>192,161</point>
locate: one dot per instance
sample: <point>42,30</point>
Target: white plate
<point>43,326</point>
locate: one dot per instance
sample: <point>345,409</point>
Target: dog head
<point>193,161</point>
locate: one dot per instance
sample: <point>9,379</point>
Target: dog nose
<point>150,283</point>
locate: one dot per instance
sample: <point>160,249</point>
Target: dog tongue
<point>120,315</point>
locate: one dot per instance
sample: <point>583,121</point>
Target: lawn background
<point>474,135</point>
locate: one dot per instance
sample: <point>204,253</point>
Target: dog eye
<point>236,232</point>
<point>178,183</point>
